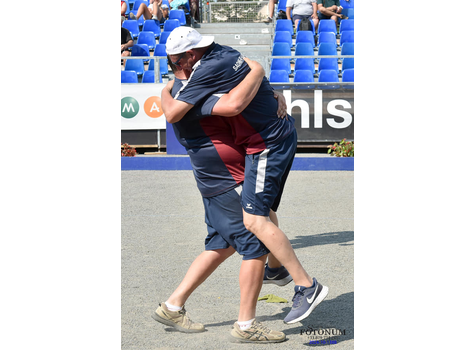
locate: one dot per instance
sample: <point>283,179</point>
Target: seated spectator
<point>175,4</point>
<point>165,12</point>
<point>123,8</point>
<point>153,11</point>
<point>126,41</point>
<point>271,7</point>
<point>330,9</point>
<point>302,9</point>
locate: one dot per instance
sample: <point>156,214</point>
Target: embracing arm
<point>236,100</point>
<point>174,110</point>
<point>239,97</point>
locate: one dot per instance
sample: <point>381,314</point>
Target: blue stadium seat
<point>303,76</point>
<point>284,24</point>
<point>347,24</point>
<point>327,37</point>
<point>160,50</point>
<point>133,27</point>
<point>328,64</point>
<point>135,65</point>
<point>304,49</point>
<point>347,4</point>
<point>163,37</point>
<point>348,36</point>
<point>151,25</point>
<point>179,15</point>
<point>327,49</point>
<point>281,63</point>
<point>348,49</point>
<point>305,63</point>
<point>147,38</point>
<point>128,76</point>
<point>348,76</point>
<point>140,50</point>
<point>148,76</point>
<point>281,6</point>
<point>279,76</point>
<point>170,24</point>
<point>137,3</point>
<point>305,36</point>
<point>327,25</point>
<point>283,36</point>
<point>349,12</point>
<point>328,76</point>
<point>281,49</point>
<point>347,63</point>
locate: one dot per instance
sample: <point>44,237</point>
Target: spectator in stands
<point>126,41</point>
<point>330,9</point>
<point>175,4</point>
<point>302,9</point>
<point>123,8</point>
<point>165,12</point>
<point>271,7</point>
<point>195,10</point>
<point>153,11</point>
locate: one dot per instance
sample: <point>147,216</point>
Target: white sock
<point>173,308</point>
<point>245,324</point>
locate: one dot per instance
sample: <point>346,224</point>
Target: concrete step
<point>233,28</point>
<point>242,39</point>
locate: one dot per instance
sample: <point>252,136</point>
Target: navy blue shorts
<point>223,215</point>
<point>265,177</point>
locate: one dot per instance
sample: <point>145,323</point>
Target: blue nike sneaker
<point>305,301</point>
<point>281,277</point>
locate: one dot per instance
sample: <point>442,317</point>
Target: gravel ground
<point>163,230</point>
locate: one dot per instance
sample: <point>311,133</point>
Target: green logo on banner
<point>129,107</point>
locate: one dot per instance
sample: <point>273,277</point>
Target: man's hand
<point>282,105</point>
<point>169,85</point>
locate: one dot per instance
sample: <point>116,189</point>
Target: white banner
<point>141,107</point>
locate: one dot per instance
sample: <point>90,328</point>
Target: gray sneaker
<point>177,319</point>
<point>280,278</point>
<point>268,20</point>
<point>257,333</point>
<point>305,301</point>
<point>132,16</point>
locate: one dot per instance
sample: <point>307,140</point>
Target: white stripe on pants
<point>261,171</point>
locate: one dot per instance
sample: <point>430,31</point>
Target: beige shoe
<point>257,333</point>
<point>177,319</point>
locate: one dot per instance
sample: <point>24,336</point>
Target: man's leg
<point>250,283</point>
<point>279,245</point>
<point>201,268</point>
<point>272,261</point>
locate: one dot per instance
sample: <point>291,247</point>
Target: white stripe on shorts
<point>261,171</point>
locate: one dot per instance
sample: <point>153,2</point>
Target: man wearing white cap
<point>270,142</point>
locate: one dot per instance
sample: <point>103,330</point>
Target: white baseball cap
<point>182,39</point>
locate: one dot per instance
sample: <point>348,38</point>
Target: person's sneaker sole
<point>317,301</point>
<point>281,283</point>
<point>157,318</point>
<point>239,340</point>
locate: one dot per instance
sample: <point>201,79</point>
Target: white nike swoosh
<point>272,278</point>
<point>313,296</point>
